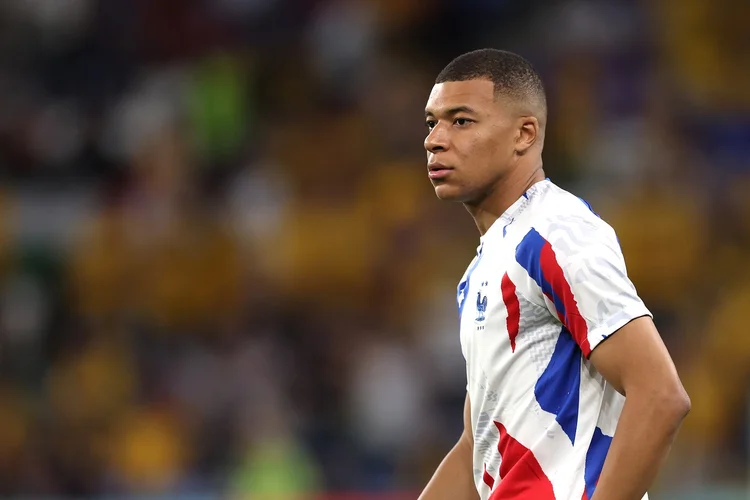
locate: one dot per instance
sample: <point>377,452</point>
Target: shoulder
<point>569,226</point>
<point>564,241</point>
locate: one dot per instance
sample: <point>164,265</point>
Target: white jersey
<point>548,285</point>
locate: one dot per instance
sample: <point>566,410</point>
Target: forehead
<point>476,94</point>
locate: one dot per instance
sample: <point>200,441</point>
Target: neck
<point>501,197</point>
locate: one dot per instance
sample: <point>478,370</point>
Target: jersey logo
<point>481,308</point>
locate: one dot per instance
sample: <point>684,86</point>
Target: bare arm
<point>454,477</point>
<point>637,364</point>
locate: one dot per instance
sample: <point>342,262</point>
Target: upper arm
<point>636,358</point>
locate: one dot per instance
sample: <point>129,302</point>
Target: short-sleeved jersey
<point>548,284</point>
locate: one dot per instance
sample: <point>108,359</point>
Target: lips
<point>438,170</point>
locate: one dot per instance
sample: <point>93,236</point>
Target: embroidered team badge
<point>481,308</point>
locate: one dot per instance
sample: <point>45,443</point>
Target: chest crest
<point>481,316</point>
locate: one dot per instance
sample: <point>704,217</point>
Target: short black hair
<point>511,74</point>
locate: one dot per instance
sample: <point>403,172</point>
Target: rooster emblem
<point>481,307</point>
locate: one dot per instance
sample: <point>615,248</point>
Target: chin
<point>446,192</point>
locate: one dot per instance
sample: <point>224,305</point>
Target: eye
<point>462,122</point>
<point>430,124</point>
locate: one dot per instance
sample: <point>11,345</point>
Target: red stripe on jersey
<point>571,317</point>
<point>522,478</point>
<point>514,309</point>
<point>488,480</point>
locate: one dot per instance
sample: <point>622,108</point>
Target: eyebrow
<point>452,111</point>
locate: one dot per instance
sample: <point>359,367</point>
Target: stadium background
<point>223,271</point>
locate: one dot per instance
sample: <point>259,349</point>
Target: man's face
<point>470,144</point>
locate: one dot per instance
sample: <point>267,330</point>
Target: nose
<point>436,140</point>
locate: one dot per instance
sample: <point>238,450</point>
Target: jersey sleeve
<point>579,270</point>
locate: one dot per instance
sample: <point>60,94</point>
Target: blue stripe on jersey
<point>463,287</point>
<point>558,389</point>
<point>595,456</point>
<point>528,255</point>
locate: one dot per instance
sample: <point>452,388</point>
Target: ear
<point>527,134</point>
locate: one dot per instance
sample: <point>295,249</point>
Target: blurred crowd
<point>223,268</point>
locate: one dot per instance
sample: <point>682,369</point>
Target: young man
<point>553,332</point>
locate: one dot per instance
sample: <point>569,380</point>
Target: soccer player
<point>571,393</point>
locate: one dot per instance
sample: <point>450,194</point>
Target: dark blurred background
<point>224,272</point>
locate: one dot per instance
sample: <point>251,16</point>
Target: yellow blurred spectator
<point>717,380</point>
<point>328,239</point>
<point>727,339</point>
<point>149,451</point>
<point>192,279</point>
<point>325,254</point>
<point>102,268</point>
<point>14,426</point>
<point>574,120</point>
<point>92,384</point>
<point>705,45</point>
<point>663,234</point>
<point>397,192</point>
<point>412,256</point>
<point>158,254</point>
<point>707,423</point>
